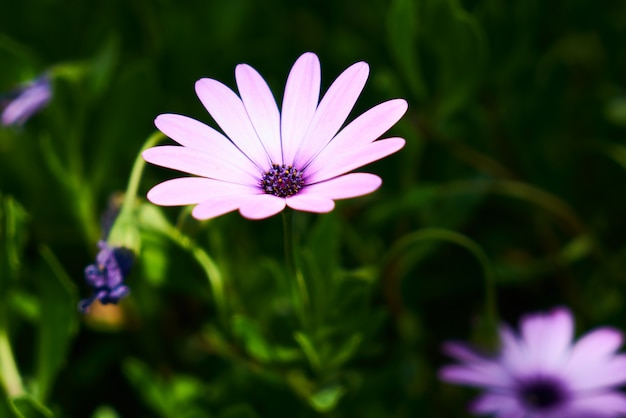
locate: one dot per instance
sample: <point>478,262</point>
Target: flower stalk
<point>297,277</point>
<point>124,232</point>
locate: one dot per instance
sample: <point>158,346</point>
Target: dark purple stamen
<point>542,393</point>
<point>282,181</point>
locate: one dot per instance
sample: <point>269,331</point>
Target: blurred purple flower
<point>20,104</point>
<point>543,374</point>
<point>270,159</point>
<point>107,275</point>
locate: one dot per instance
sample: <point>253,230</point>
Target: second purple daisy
<point>542,373</point>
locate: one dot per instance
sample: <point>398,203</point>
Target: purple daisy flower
<point>269,159</point>
<point>542,373</point>
<point>22,103</point>
<point>107,275</point>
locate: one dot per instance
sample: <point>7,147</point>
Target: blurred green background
<point>512,171</point>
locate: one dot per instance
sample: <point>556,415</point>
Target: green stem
<point>9,374</point>
<point>212,271</point>
<point>288,240</point>
<point>491,311</point>
<point>124,231</point>
<point>296,274</point>
<point>137,171</point>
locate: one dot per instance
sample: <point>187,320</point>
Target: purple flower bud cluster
<point>107,275</point>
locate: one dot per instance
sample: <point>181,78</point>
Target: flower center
<point>282,180</point>
<point>542,393</point>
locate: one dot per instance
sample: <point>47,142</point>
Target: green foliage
<point>58,324</point>
<point>506,195</point>
<point>12,240</point>
<point>27,407</point>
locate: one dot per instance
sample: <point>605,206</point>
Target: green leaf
<point>59,323</point>
<point>154,259</point>
<point>24,304</point>
<point>147,385</point>
<point>252,337</point>
<point>26,407</point>
<point>103,66</point>
<point>174,396</point>
<point>459,44</point>
<point>326,399</point>
<point>105,412</point>
<point>238,411</point>
<point>309,349</point>
<point>402,29</point>
<point>12,239</point>
<point>346,351</point>
<point>615,111</point>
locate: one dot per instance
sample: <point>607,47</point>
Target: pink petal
<point>217,206</point>
<point>310,202</point>
<point>299,103</point>
<point>482,374</point>
<point>549,337</point>
<point>262,110</point>
<point>30,100</point>
<point>192,190</point>
<point>367,127</point>
<point>327,166</point>
<point>462,352</point>
<point>198,136</point>
<point>347,186</point>
<point>230,114</point>
<point>261,206</point>
<point>332,112</point>
<point>607,404</point>
<point>514,353</point>
<point>501,404</point>
<point>595,373</point>
<point>599,343</point>
<point>198,163</point>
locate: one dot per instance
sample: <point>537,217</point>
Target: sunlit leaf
<point>105,412</point>
<point>309,349</point>
<point>253,340</point>
<point>327,398</point>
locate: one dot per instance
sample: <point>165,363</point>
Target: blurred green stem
<point>491,311</point>
<point>297,278</point>
<point>80,191</point>
<point>553,204</point>
<point>9,374</point>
